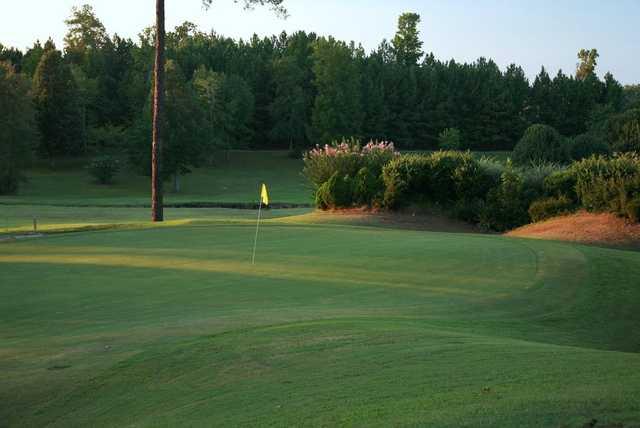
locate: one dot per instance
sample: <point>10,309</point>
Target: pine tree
<point>407,45</point>
<point>57,105</point>
<point>17,127</point>
<point>337,111</point>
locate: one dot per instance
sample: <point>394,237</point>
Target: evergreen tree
<point>407,45</point>
<point>289,105</point>
<point>58,110</point>
<point>31,59</point>
<point>337,112</point>
<point>184,129</point>
<point>228,106</point>
<point>17,127</point>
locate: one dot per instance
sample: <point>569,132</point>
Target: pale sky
<point>529,33</point>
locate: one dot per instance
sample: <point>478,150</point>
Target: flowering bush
<point>345,158</point>
<point>347,161</point>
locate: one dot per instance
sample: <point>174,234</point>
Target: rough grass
<point>334,325</point>
<point>584,227</point>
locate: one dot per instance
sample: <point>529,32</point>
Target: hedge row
<point>495,196</point>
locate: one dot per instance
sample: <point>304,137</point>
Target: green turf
<point>235,178</point>
<point>335,325</point>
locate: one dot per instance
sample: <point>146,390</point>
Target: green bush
<point>405,178</point>
<point>368,187</point>
<point>104,169</point>
<point>345,158</point>
<point>623,131</point>
<point>442,177</point>
<point>561,183</point>
<point>543,209</point>
<point>633,209</point>
<point>506,205</point>
<point>10,180</point>
<point>468,210</point>
<point>450,139</point>
<point>534,175</point>
<point>336,192</point>
<point>604,184</point>
<point>586,145</point>
<point>541,144</point>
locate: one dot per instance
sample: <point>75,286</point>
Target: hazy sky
<point>529,33</point>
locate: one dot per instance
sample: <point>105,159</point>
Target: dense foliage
<point>539,144</point>
<point>608,184</point>
<point>494,195</point>
<point>297,90</point>
<point>17,127</point>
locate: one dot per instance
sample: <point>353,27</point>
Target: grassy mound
<point>588,228</point>
<point>334,325</point>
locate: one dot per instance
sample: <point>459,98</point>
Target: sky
<point>528,33</point>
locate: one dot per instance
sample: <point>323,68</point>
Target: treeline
<point>290,91</point>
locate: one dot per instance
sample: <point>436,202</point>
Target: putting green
<point>334,325</point>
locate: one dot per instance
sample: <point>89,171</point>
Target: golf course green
<point>335,324</point>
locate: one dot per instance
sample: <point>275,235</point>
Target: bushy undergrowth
<point>483,191</point>
<point>441,177</point>
<point>541,144</point>
<point>546,208</point>
<point>104,169</point>
<point>347,162</point>
<point>586,145</point>
<point>608,184</point>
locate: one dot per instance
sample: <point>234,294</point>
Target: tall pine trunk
<point>157,213</point>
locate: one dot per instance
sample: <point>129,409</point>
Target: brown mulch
<point>587,228</point>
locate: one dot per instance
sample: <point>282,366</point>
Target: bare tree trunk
<point>157,213</point>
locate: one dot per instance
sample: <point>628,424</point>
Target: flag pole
<point>255,241</point>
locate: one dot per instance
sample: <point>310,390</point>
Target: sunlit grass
<point>334,325</point>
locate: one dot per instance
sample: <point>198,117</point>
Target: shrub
<point>368,187</point>
<point>543,209</point>
<point>405,177</point>
<point>623,131</point>
<point>561,183</point>
<point>608,184</point>
<point>336,192</point>
<point>10,180</point>
<point>633,209</point>
<point>103,169</point>
<point>468,210</point>
<point>450,139</point>
<point>506,205</point>
<point>345,158</point>
<point>586,145</point>
<point>541,144</point>
<point>442,177</point>
<point>534,175</point>
<point>106,139</point>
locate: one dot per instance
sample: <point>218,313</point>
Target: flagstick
<point>255,241</point>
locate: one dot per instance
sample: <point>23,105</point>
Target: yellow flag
<point>264,195</point>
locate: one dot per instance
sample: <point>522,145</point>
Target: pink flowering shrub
<point>345,174</point>
<point>346,158</point>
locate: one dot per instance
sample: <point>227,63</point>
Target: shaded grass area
<point>236,177</point>
<point>334,325</point>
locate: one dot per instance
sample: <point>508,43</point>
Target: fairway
<point>334,325</point>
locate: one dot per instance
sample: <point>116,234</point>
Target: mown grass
<point>334,325</point>
<point>236,177</point>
